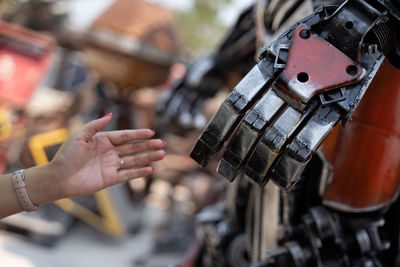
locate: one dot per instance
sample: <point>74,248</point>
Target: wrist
<point>42,184</point>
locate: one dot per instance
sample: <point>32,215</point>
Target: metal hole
<point>349,25</point>
<point>352,70</point>
<point>302,77</point>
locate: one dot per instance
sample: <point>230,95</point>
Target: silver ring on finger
<point>122,162</point>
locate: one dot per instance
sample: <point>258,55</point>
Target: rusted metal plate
<point>313,66</point>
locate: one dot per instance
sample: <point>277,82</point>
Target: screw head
<point>305,34</point>
<point>372,49</point>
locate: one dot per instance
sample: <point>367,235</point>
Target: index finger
<point>126,136</point>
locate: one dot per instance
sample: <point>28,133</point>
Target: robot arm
<point>308,79</point>
<point>256,25</point>
<point>184,102</point>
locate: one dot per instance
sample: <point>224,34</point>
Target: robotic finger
<point>232,111</point>
<point>273,142</point>
<point>191,115</point>
<point>304,145</point>
<point>184,101</point>
<point>176,104</point>
<point>249,132</point>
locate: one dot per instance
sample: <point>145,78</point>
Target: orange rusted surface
<point>366,154</point>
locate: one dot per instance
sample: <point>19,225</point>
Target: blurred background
<point>66,62</point>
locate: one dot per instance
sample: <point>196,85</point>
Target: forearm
<point>88,161</point>
<point>40,185</point>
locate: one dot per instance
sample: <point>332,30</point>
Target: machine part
<point>217,231</point>
<point>272,142</point>
<point>373,139</point>
<point>184,102</point>
<point>250,130</point>
<point>258,224</point>
<point>325,238</point>
<point>287,171</point>
<point>234,57</point>
<point>233,110</point>
<point>347,27</point>
<point>237,252</point>
<point>318,104</point>
<point>308,56</point>
<point>321,237</point>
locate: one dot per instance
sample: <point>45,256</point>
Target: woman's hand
<point>90,160</point>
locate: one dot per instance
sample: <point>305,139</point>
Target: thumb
<point>95,126</point>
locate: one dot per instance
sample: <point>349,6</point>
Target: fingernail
<point>108,115</point>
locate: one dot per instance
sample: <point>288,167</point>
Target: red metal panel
<point>314,65</point>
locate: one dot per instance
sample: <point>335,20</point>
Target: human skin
<point>88,161</point>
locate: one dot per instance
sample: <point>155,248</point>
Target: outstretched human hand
<point>90,160</point>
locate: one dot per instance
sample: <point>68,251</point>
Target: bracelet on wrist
<point>18,181</point>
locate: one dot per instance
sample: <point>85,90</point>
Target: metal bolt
<point>372,49</point>
<point>304,34</point>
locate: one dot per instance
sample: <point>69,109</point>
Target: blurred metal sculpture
<point>132,44</point>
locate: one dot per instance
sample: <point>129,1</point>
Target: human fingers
<point>140,146</point>
<point>126,136</point>
<point>88,130</point>
<point>143,159</point>
<point>129,174</point>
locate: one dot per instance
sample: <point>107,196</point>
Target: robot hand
<point>307,80</point>
<point>234,56</point>
<point>184,102</point>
